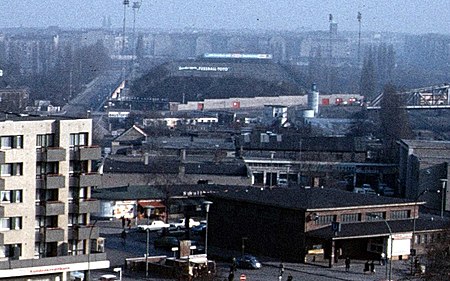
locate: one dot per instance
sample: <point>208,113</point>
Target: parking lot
<point>135,246</point>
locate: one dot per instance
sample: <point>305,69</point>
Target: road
<point>135,246</point>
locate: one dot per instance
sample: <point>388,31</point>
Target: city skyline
<point>413,16</point>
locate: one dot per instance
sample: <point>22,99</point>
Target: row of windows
<point>355,217</point>
<point>430,238</point>
<point>42,140</point>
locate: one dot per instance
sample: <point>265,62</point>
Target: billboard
<point>237,56</point>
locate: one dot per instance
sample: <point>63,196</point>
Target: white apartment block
<point>45,185</point>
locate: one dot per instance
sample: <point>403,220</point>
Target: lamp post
<point>413,250</point>
<point>390,236</point>
<point>243,245</point>
<point>443,196</point>
<point>207,204</point>
<point>148,210</point>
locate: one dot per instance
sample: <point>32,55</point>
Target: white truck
<point>153,226</point>
<point>181,223</point>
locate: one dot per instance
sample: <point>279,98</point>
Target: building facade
<point>45,185</point>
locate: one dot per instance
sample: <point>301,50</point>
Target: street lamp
<point>390,235</point>
<point>243,245</point>
<point>148,210</point>
<point>413,250</point>
<point>207,204</point>
<point>443,196</point>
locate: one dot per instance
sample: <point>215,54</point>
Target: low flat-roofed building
<point>297,224</point>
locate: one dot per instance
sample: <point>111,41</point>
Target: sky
<point>409,16</point>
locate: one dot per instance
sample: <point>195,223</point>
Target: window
<point>47,140</point>
<point>350,217</point>
<point>80,139</point>
<point>402,214</point>
<point>375,216</point>
<point>8,142</point>
<point>327,219</point>
<point>46,168</point>
<point>10,223</point>
<point>11,196</point>
<point>11,169</point>
<point>9,251</point>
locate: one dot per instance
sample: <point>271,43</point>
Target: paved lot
<point>135,246</point>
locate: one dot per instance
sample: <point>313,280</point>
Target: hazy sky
<point>411,16</point>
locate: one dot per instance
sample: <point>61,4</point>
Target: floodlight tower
<point>125,5</point>
<point>359,17</point>
<point>136,6</point>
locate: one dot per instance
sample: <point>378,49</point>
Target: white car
<point>153,226</point>
<point>181,223</point>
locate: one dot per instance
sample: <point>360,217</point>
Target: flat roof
<point>309,198</point>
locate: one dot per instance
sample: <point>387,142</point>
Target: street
<point>135,246</point>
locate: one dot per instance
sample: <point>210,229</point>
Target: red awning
<point>155,204</point>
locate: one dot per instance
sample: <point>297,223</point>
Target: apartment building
<point>46,178</point>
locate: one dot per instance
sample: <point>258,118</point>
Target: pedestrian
<point>372,267</point>
<point>383,259</point>
<point>122,218</point>
<point>281,271</point>
<point>231,276</point>
<point>347,264</point>
<point>366,267</point>
<point>289,277</point>
<point>129,223</point>
<point>124,236</point>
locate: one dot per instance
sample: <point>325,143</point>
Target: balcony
<point>83,153</point>
<point>51,181</point>
<point>84,232</point>
<point>87,179</point>
<point>84,206</point>
<point>50,234</point>
<point>51,154</point>
<point>50,208</point>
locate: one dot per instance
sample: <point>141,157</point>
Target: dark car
<point>247,262</point>
<point>199,229</point>
<point>166,242</point>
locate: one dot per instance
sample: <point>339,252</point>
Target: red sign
<point>243,277</point>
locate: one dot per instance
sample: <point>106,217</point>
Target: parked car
<point>153,226</point>
<point>166,242</point>
<point>181,223</point>
<point>199,229</point>
<point>247,262</point>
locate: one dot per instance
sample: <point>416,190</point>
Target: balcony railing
<point>50,208</point>
<point>84,206</point>
<point>85,179</point>
<point>51,181</point>
<point>83,153</point>
<point>51,154</point>
<point>84,232</point>
<point>51,234</point>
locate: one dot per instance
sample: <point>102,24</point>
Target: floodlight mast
<point>126,3</point>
